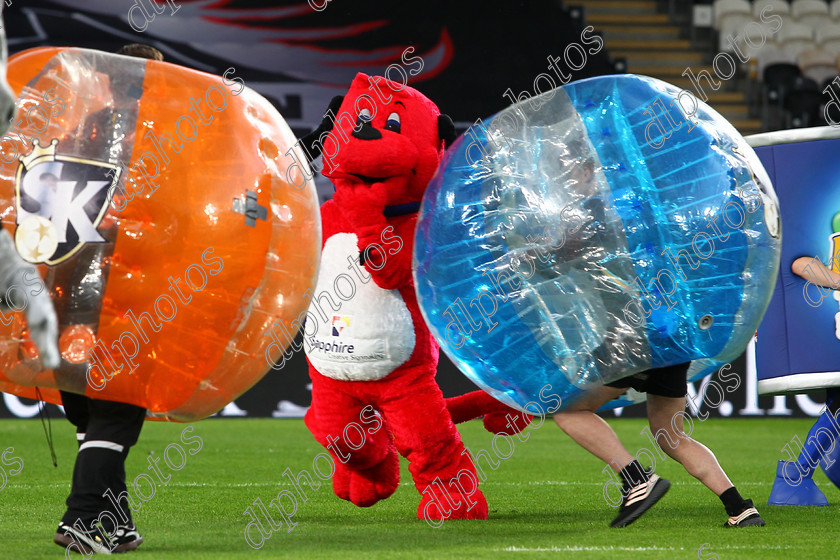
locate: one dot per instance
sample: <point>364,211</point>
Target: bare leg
<point>591,432</point>
<point>666,422</point>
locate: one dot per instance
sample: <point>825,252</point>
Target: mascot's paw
<point>507,423</point>
<point>439,505</point>
<point>366,487</point>
<point>792,489</point>
<point>341,480</point>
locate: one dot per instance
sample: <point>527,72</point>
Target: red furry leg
<point>442,469</point>
<point>508,423</point>
<point>341,480</point>
<point>376,483</point>
<point>498,417</point>
<point>366,486</point>
<point>366,471</point>
<point>438,504</point>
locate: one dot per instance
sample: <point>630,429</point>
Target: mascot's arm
<point>394,261</point>
<point>498,417</point>
<point>390,263</point>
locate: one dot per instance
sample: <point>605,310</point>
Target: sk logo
<point>60,202</point>
<point>340,324</point>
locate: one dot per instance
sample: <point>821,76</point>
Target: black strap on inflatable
<point>42,411</point>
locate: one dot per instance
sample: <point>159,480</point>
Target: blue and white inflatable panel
<point>603,228</point>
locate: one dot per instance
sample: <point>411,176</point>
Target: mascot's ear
<point>311,145</point>
<point>446,130</point>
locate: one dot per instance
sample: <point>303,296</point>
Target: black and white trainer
<point>83,542</point>
<point>125,538</point>
<point>747,518</point>
<point>639,499</point>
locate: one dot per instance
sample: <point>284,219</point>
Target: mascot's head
<point>386,132</point>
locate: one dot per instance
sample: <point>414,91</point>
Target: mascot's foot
<point>366,487</point>
<point>437,504</point>
<point>501,423</point>
<point>784,493</point>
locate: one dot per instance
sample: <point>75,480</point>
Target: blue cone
<point>805,493</point>
<point>833,457</point>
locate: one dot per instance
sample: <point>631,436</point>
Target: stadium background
<point>473,52</point>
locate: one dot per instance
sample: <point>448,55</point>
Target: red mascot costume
<point>372,358</point>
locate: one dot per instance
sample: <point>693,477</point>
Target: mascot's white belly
<point>371,334</point>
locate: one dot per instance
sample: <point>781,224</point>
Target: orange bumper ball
<point>157,202</point>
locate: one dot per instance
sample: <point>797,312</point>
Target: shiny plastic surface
<point>187,267</point>
<point>593,232</point>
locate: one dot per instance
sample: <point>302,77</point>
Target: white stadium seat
<point>780,7</point>
<point>733,25</point>
<point>726,9</point>
<point>796,37</point>
<point>828,37</point>
<point>809,12</point>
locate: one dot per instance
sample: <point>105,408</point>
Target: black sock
<point>633,474</point>
<point>733,502</point>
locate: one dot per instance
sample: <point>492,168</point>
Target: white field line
<point>577,483</point>
<point>584,548</point>
<point>625,548</point>
<point>287,483</point>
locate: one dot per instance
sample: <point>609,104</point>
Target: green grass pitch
<point>545,500</point>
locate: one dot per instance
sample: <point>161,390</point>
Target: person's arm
<point>815,272</point>
<point>40,315</point>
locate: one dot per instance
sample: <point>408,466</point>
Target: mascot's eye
<point>364,117</point>
<point>393,123</point>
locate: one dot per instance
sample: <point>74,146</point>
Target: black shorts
<point>669,381</point>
